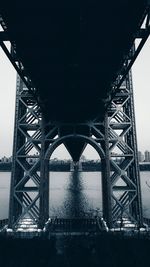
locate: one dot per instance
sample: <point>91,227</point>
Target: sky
<point>141,83</point>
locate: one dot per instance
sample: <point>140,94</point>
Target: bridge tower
<point>114,138</point>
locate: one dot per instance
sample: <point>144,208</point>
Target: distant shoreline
<point>65,167</point>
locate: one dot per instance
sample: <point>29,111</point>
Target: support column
<point>15,209</point>
<point>125,176</point>
<point>134,171</point>
<point>25,179</point>
<point>106,184</point>
<point>44,183</point>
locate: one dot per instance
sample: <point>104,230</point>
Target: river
<point>73,196</point>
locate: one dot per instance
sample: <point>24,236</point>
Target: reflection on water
<point>73,194</point>
<point>4,194</point>
<point>145,178</point>
<point>75,202</point>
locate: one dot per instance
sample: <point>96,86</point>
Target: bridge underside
<point>73,51</point>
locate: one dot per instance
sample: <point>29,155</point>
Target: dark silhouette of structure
<point>74,61</point>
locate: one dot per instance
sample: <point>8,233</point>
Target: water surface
<point>73,195</point>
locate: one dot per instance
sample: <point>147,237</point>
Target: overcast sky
<point>141,82</point>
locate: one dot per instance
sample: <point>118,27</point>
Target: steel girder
<point>14,59</point>
<point>139,40</point>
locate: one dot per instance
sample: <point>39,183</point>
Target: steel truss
<point>25,180</point>
<point>138,42</point>
<point>124,175</point>
<point>114,139</point>
<point>12,55</point>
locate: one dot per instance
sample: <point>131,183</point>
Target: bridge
<point>74,61</point>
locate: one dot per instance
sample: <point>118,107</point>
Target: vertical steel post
<point>15,208</point>
<point>44,183</point>
<point>136,207</point>
<point>106,183</point>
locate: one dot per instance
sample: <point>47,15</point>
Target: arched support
<point>104,156</point>
<point>45,169</point>
<point>87,139</point>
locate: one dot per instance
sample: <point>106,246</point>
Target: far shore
<point>89,166</point>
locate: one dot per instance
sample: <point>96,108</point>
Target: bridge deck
<point>72,50</point>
